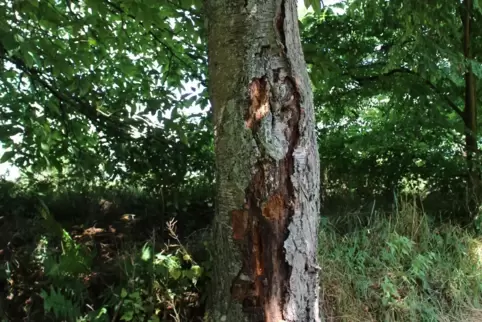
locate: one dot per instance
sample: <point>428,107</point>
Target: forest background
<point>105,126</point>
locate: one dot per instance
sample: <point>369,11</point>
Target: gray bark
<point>266,223</point>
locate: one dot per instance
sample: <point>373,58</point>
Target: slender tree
<point>470,110</point>
<point>266,222</point>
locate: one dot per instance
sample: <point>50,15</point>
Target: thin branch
<point>403,70</point>
<point>86,109</point>
<point>118,9</point>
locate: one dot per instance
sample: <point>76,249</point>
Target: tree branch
<point>403,70</point>
<point>101,121</point>
<point>98,119</point>
<point>118,9</point>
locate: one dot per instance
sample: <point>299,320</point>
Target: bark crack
<point>279,25</point>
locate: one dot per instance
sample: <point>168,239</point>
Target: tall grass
<point>400,268</point>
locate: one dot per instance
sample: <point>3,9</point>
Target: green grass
<point>401,268</point>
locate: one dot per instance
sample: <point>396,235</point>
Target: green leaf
<point>154,318</point>
<point>146,253</point>
<point>45,147</point>
<point>197,270</point>
<point>175,273</point>
<point>7,156</point>
<point>92,41</point>
<point>8,40</point>
<point>128,316</point>
<point>135,295</point>
<point>477,5</point>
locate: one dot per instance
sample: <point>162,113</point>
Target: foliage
<point>396,268</point>
<point>402,268</point>
<point>82,276</point>
<point>82,82</point>
<point>389,88</point>
<point>82,203</point>
<point>61,307</point>
<point>156,282</point>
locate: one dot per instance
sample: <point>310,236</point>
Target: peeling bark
<point>266,223</point>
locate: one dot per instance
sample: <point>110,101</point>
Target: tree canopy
<point>93,88</point>
<point>389,84</point>
<point>107,89</point>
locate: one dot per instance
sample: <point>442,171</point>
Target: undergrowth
<point>78,279</point>
<point>402,267</point>
<point>377,267</point>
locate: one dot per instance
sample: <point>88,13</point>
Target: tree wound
<point>260,229</point>
<point>259,92</point>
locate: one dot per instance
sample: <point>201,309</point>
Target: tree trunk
<point>266,222</point>
<point>470,115</point>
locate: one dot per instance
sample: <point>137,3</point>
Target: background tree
<point>400,108</point>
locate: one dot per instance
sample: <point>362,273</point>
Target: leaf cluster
<point>87,87</point>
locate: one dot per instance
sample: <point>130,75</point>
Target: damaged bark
<point>266,223</point>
